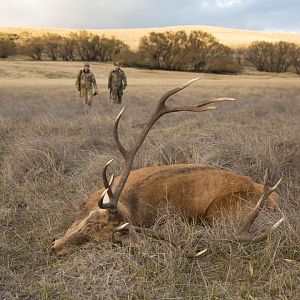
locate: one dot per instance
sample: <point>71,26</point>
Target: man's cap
<point>86,64</point>
<point>116,63</point>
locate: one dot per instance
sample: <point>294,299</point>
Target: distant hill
<point>228,36</point>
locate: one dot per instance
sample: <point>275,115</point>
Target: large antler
<point>243,234</point>
<point>129,155</point>
<point>173,239</point>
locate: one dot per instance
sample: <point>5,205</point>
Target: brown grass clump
<point>51,156</point>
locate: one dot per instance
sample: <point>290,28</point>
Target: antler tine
<point>107,184</point>
<point>188,83</point>
<point>100,202</point>
<point>169,93</point>
<point>109,205</point>
<point>243,234</point>
<point>111,180</point>
<point>121,148</point>
<point>199,107</point>
<point>214,100</point>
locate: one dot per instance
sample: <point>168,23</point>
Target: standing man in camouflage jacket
<point>117,82</point>
<point>85,83</point>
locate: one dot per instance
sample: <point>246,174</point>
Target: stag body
<point>197,192</point>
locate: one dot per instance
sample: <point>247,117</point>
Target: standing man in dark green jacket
<point>117,82</point>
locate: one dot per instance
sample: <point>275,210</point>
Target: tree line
<point>76,46</point>
<point>8,44</point>
<point>197,51</point>
<point>274,57</point>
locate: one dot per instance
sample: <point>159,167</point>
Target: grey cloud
<point>280,15</point>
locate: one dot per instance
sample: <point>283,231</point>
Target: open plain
<point>51,158</point>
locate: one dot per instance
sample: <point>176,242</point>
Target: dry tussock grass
<point>51,156</point>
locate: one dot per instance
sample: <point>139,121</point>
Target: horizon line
<point>150,27</point>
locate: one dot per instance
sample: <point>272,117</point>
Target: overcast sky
<point>270,15</point>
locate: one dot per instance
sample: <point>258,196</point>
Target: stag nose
<point>51,248</point>
<point>55,250</point>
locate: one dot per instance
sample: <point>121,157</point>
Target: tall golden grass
<point>51,156</point>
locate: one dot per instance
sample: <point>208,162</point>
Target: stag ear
<point>101,198</point>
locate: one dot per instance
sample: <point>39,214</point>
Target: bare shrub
<point>180,51</point>
<point>296,60</point>
<point>7,45</point>
<point>271,57</point>
<point>52,43</point>
<point>223,65</point>
<point>34,47</point>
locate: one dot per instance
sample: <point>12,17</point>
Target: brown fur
<point>198,192</point>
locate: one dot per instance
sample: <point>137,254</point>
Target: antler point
<point>104,193</point>
<point>109,162</point>
<point>200,253</point>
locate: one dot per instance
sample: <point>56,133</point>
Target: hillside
<point>227,36</point>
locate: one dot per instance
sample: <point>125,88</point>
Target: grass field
<point>131,36</point>
<point>51,157</point>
